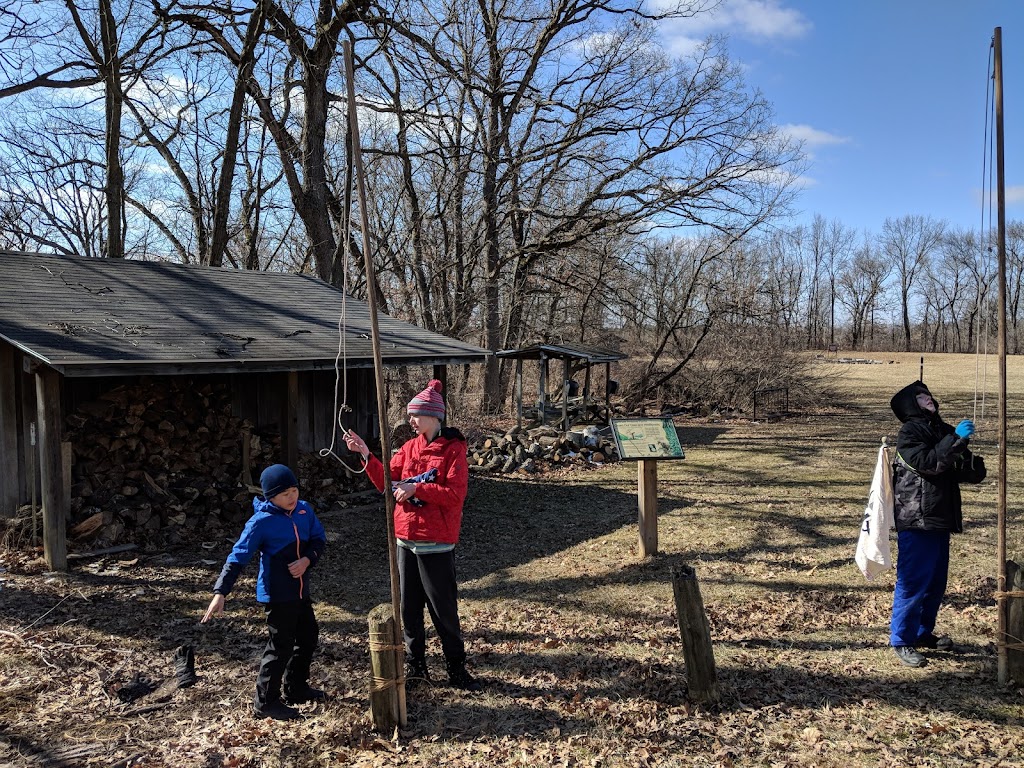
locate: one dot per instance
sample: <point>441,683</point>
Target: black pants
<point>293,637</point>
<point>428,581</point>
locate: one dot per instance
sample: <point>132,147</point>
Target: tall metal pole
<point>378,367</point>
<point>997,73</point>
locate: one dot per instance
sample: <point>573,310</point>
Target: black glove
<point>185,666</point>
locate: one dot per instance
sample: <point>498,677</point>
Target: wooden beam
<point>51,464</point>
<point>9,476</point>
<point>647,493</point>
<point>565,395</point>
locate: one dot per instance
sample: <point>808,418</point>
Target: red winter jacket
<point>440,517</point>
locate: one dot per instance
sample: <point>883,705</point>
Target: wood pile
<point>161,461</point>
<point>532,450</point>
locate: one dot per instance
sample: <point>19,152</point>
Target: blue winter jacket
<point>280,538</point>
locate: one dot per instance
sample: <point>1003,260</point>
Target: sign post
<point>646,441</point>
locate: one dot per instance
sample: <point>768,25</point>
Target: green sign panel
<point>646,439</point>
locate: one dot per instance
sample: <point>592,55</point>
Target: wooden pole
<point>55,504</point>
<point>647,493</point>
<point>694,631</point>
<point>997,58</point>
<point>378,367</point>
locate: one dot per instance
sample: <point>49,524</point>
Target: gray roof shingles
<point>86,316</point>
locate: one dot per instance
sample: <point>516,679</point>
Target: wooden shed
<point>72,328</point>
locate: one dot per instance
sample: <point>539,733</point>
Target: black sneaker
<point>459,676</point>
<point>416,672</point>
<point>276,710</point>
<point>909,656</point>
<point>304,695</point>
<point>939,643</point>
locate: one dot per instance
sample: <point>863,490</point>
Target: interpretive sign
<point>646,439</point>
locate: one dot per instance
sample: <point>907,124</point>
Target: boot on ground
<point>460,677</point>
<point>304,695</point>
<point>416,672</point>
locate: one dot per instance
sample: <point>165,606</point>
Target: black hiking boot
<point>416,672</point>
<point>909,656</point>
<point>938,642</point>
<point>304,695</point>
<point>275,710</point>
<point>185,666</point>
<point>459,676</point>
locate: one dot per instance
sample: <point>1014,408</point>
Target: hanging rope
<point>984,243</point>
<point>341,358</point>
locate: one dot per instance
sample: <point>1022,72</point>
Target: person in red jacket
<point>430,476</point>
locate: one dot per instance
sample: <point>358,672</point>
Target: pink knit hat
<point>428,402</point>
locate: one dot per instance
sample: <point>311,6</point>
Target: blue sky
<point>888,95</point>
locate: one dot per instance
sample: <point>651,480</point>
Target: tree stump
<point>701,676</point>
<point>1015,623</point>
<point>384,701</point>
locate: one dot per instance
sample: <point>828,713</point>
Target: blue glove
<point>965,429</point>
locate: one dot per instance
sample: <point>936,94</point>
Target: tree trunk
<point>110,68</point>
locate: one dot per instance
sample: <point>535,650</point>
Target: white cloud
<point>1014,195</point>
<point>810,136</point>
<point>757,20</point>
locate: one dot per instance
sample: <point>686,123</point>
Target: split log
<point>388,673</point>
<point>701,676</point>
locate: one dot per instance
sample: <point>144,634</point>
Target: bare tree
<point>861,285</point>
<point>908,242</point>
<point>74,45</point>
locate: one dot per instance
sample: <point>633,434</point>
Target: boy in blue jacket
<point>289,539</point>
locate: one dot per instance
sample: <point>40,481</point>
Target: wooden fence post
<point>384,704</point>
<point>701,676</point>
<point>647,492</point>
<point>1014,623</point>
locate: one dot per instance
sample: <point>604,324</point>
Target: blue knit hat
<point>277,479</point>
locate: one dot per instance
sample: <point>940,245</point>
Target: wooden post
<point>607,392</point>
<point>1014,637</point>
<point>701,677</point>
<point>542,396</point>
<point>519,392</point>
<point>290,422</point>
<point>9,480</point>
<point>384,664</point>
<point>55,503</point>
<point>565,395</point>
<point>441,374</point>
<point>586,391</point>
<point>647,493</point>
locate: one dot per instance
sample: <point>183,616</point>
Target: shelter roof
<point>98,317</point>
<point>588,353</point>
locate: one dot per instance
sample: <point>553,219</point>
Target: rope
<point>984,239</point>
<point>342,354</point>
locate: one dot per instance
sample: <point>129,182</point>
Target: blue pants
<point>922,566</point>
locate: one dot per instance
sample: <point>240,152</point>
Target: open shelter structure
<point>72,328</point>
<point>569,354</point>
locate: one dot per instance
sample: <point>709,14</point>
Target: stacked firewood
<point>163,462</point>
<point>537,449</point>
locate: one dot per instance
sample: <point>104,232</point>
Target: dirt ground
<point>575,637</point>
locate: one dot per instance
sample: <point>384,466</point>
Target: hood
<point>904,403</point>
<point>260,504</point>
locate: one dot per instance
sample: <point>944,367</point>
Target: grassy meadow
<point>574,636</point>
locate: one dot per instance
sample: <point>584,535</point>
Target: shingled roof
<point>93,317</point>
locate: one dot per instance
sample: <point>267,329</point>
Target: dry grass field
<point>575,638</point>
